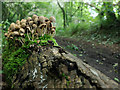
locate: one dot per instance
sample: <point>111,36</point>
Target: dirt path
<point>102,57</point>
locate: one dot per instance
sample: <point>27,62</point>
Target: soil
<point>99,56</point>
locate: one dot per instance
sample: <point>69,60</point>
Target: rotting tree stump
<point>53,67</point>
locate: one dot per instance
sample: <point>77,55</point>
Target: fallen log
<point>54,67</point>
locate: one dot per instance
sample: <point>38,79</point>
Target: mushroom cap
<point>49,25</point>
<point>36,20</point>
<point>46,19</point>
<point>42,25</point>
<point>34,26</point>
<point>28,29</point>
<point>22,30</point>
<point>53,27</point>
<point>23,21</point>
<point>17,26</point>
<point>42,19</point>
<point>21,34</point>
<point>23,25</point>
<point>5,34</point>
<point>52,19</point>
<point>34,16</point>
<point>18,22</point>
<point>12,26</point>
<point>29,19</point>
<point>53,30</point>
<point>11,37</point>
<point>15,33</point>
<point>30,23</point>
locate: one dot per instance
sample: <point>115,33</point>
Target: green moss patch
<point>14,57</point>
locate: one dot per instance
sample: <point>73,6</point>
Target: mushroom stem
<point>32,37</point>
<point>21,42</point>
<point>28,35</point>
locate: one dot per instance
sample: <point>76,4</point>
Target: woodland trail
<point>102,57</point>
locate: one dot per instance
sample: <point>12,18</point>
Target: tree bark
<point>53,67</point>
<point>64,15</point>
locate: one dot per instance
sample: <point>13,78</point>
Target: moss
<point>14,57</point>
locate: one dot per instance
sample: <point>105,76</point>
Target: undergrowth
<point>100,33</point>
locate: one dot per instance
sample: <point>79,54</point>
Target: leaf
<point>116,79</point>
<point>81,55</point>
<point>1,71</point>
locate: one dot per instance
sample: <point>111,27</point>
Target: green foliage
<point>73,47</point>
<point>45,38</point>
<point>66,77</point>
<point>116,79</point>
<point>13,58</point>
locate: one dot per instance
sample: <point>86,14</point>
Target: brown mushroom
<point>23,21</point>
<point>48,25</point>
<point>29,19</point>
<point>52,19</point>
<point>42,29</point>
<point>41,19</point>
<point>36,20</point>
<point>34,26</point>
<point>46,19</point>
<point>11,37</point>
<point>23,25</point>
<point>30,23</point>
<point>12,26</point>
<point>28,30</point>
<point>53,32</point>
<point>21,30</point>
<point>34,16</point>
<point>22,34</point>
<point>15,33</point>
<point>18,22</point>
<point>17,27</point>
<point>6,34</point>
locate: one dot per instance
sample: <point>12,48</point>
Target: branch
<point>75,11</point>
<point>118,4</point>
<point>63,13</point>
<point>92,6</point>
<point>60,6</point>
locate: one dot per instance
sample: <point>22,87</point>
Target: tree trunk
<point>53,67</point>
<point>110,14</point>
<point>64,14</point>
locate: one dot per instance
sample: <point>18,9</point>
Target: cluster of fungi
<point>33,28</point>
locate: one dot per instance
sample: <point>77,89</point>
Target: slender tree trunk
<point>109,12</point>
<point>64,14</point>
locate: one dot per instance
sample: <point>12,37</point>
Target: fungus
<point>23,21</point>
<point>18,22</point>
<point>52,19</point>
<point>34,16</point>
<point>12,26</point>
<point>42,19</point>
<point>29,19</point>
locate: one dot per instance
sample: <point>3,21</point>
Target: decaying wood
<point>53,67</point>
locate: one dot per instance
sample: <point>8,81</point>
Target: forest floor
<point>105,58</point>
